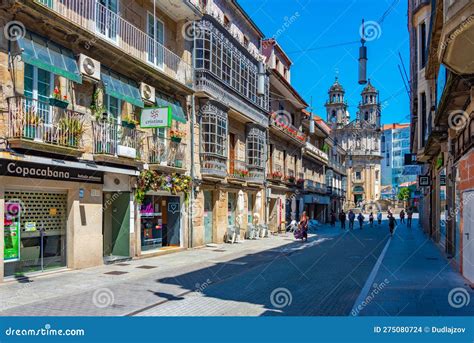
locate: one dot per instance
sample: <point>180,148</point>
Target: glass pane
<point>41,50</point>
<point>29,70</point>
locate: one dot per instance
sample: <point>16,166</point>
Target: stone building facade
<point>360,138</point>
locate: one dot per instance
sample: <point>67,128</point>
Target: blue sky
<point>311,24</point>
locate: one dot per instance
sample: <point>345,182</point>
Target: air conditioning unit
<point>89,67</point>
<point>147,92</point>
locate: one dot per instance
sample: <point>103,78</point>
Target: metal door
<point>208,217</point>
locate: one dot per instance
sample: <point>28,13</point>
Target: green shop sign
<point>12,240</point>
<point>156,117</point>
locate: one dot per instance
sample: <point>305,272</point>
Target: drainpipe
<point>193,113</point>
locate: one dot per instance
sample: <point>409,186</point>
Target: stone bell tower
<point>336,106</point>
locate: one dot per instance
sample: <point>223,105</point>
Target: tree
<point>404,194</point>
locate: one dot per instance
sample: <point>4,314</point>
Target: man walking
<point>342,218</point>
<point>352,218</point>
<point>409,216</point>
<point>402,216</point>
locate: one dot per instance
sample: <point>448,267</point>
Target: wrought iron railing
<point>42,121</point>
<point>256,174</point>
<point>287,128</point>
<point>166,152</point>
<point>110,138</point>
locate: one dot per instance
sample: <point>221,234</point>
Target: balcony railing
<point>289,129</point>
<point>110,138</point>
<point>276,172</point>
<point>112,28</point>
<point>41,122</point>
<point>256,174</point>
<point>315,186</point>
<point>316,152</point>
<point>338,167</point>
<point>238,169</point>
<point>213,165</point>
<point>165,152</point>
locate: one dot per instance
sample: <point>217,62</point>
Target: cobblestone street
<point>266,277</point>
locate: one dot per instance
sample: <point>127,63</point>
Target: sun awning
<point>121,88</point>
<point>49,56</point>
<point>177,112</point>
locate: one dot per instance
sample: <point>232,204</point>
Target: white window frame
<point>155,62</point>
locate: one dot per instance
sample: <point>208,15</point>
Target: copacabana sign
<point>155,117</point>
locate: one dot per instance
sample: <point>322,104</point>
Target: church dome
<point>336,86</point>
<point>369,88</point>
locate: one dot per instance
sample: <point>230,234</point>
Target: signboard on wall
<point>155,117</point>
<point>11,222</point>
<point>49,172</point>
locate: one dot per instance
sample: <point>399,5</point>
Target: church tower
<point>369,107</point>
<point>336,106</point>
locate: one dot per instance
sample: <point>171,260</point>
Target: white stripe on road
<point>370,280</point>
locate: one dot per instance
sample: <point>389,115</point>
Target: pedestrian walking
<point>333,218</point>
<point>391,223</point>
<point>352,218</point>
<point>379,218</point>
<point>360,218</point>
<point>402,216</point>
<point>342,219</point>
<point>371,219</point>
<point>303,226</point>
<point>409,216</point>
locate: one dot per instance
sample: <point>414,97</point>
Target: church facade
<point>360,138</point>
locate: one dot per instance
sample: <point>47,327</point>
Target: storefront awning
<point>122,88</point>
<point>46,55</point>
<point>177,112</point>
<point>316,199</point>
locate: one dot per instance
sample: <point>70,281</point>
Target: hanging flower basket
<point>150,180</point>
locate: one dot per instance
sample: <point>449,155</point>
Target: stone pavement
<point>415,278</point>
<point>139,284</point>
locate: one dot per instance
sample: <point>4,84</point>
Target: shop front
<point>44,206</point>
<point>160,222</point>
<point>316,206</point>
<point>161,211</point>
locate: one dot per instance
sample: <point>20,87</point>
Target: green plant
<point>151,180</point>
<point>130,118</point>
<point>32,118</point>
<point>404,194</point>
<point>96,106</point>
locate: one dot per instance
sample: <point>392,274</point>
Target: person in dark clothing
<point>333,218</point>
<point>360,218</point>
<point>371,219</point>
<point>352,218</point>
<point>402,216</point>
<point>392,222</point>
<point>342,219</point>
<point>409,217</point>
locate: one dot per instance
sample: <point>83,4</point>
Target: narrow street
<point>328,275</point>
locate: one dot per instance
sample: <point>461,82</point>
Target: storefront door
<point>171,234</point>
<point>35,231</point>
<point>208,217</point>
<point>116,225</point>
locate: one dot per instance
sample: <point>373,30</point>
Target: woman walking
<point>371,219</point>
<point>379,218</point>
<point>392,222</point>
<point>303,226</point>
<point>360,218</point>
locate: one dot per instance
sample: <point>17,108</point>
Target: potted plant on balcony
<point>177,135</point>
<point>290,179</point>
<point>242,173</point>
<point>57,100</point>
<point>129,121</point>
<point>32,120</point>
<point>70,131</point>
<point>277,175</point>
